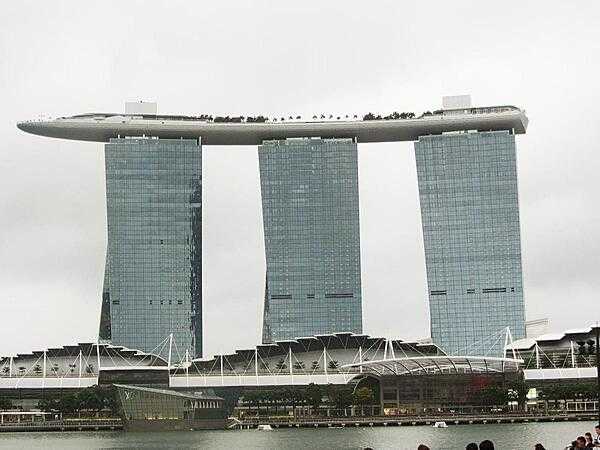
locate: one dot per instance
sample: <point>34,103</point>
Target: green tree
<point>492,395</point>
<point>314,397</point>
<point>280,365</point>
<point>5,403</point>
<point>48,404</point>
<point>517,392</point>
<point>340,397</point>
<point>68,404</point>
<point>90,399</point>
<point>363,396</point>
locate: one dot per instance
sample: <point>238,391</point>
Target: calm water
<point>509,437</point>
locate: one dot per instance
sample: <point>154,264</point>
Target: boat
<point>264,428</point>
<point>440,425</point>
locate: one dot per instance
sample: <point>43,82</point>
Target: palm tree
<point>299,365</point>
<point>280,365</point>
<point>37,369</point>
<point>315,365</point>
<point>333,364</point>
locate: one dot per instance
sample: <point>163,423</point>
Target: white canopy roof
<point>426,365</point>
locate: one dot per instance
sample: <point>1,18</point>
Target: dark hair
<point>598,426</point>
<point>422,447</point>
<point>471,446</point>
<point>580,438</point>
<point>539,447</point>
<point>486,445</point>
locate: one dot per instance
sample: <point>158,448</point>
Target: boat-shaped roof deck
<point>101,127</point>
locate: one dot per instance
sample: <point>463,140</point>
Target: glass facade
<point>312,238</point>
<point>142,403</point>
<point>471,232</point>
<point>152,283</point>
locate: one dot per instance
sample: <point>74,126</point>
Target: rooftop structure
<point>558,356</point>
<point>101,127</point>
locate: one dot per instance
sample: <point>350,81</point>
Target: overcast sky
<point>67,57</point>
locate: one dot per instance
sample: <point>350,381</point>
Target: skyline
<point>557,189</point>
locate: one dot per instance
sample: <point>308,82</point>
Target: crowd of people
<point>582,442</point>
<point>586,441</point>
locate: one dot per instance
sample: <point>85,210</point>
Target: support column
<point>291,363</point>
<point>187,367</point>
<point>325,363</point>
<point>170,350</point>
<point>360,359</point>
<point>44,368</point>
<point>222,374</point>
<point>80,366</point>
<point>256,364</point>
<point>98,360</point>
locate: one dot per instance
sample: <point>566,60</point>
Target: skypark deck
<point>101,127</point>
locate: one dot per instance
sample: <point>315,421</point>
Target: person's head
<point>539,447</point>
<point>580,442</point>
<point>422,447</point>
<point>597,428</point>
<point>486,445</point>
<point>588,437</point>
<point>471,446</point>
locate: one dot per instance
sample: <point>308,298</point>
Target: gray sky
<point>298,57</point>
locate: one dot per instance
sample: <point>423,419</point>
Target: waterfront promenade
<point>64,425</point>
<point>394,421</point>
<point>312,422</point>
